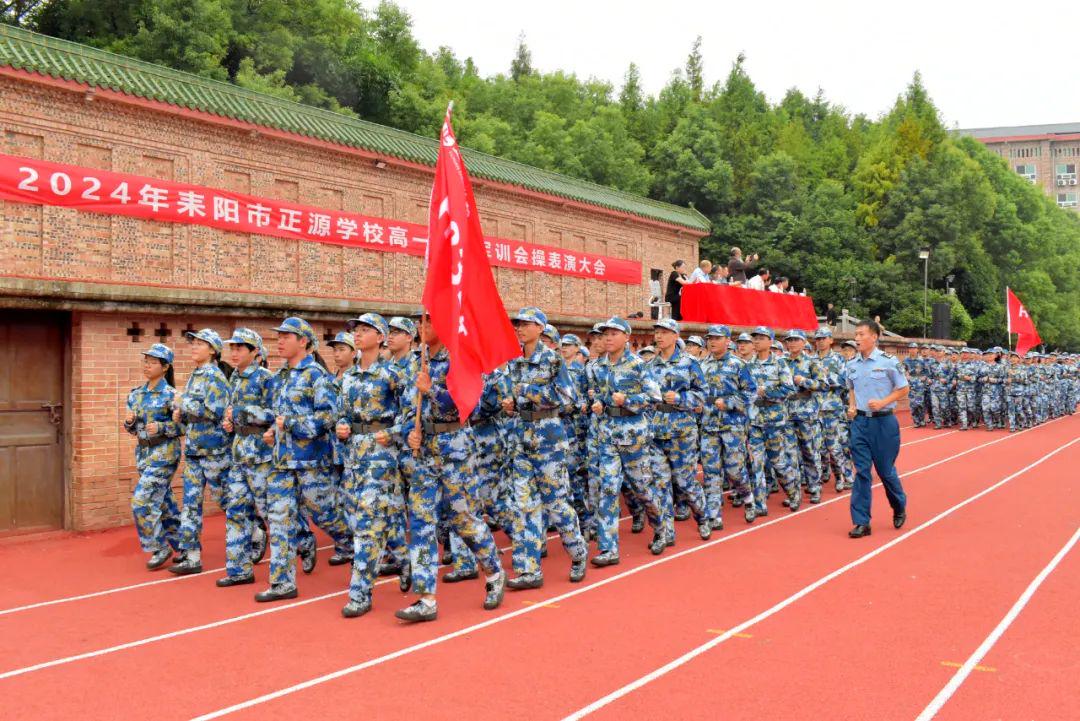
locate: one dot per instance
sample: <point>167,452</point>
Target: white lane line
<point>965,670</point>
<point>132,587</point>
<point>174,579</point>
<point>195,629</point>
<point>742,627</point>
<point>569,594</point>
<point>928,438</point>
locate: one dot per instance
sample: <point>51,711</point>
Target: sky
<point>984,64</point>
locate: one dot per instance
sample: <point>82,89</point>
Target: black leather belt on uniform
<point>153,441</point>
<point>482,422</point>
<point>803,393</point>
<point>250,430</point>
<point>533,416</point>
<point>874,414</point>
<point>433,428</point>
<point>667,408</point>
<point>619,412</point>
<point>373,427</point>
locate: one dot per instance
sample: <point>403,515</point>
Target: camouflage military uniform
<point>967,377</point>
<point>940,376</point>
<point>769,427</point>
<point>1016,393</point>
<point>804,412</point>
<point>156,458</point>
<point>836,450</point>
<point>915,370</point>
<point>992,375</point>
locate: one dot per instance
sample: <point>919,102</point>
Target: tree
<point>695,70</point>
<point>521,65</point>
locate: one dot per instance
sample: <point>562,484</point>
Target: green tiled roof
<point>62,59</point>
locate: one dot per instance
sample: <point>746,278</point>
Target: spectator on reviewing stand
<point>701,273</point>
<point>779,286</point>
<point>830,315</point>
<point>758,281</point>
<point>673,293</point>
<point>737,267</point>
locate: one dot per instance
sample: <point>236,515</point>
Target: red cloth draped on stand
<point>711,303</point>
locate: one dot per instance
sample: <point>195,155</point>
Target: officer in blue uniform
<point>877,382</point>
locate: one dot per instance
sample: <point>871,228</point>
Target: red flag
<point>1020,322</point>
<point>460,293</point>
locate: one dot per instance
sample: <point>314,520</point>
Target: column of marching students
<point>376,456</point>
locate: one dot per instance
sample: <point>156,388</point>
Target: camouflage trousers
<point>629,464</point>
<point>967,406</point>
<point>917,403</point>
<point>836,449</point>
<point>768,449</point>
<point>444,471</point>
<point>368,490</point>
<point>245,501</point>
<point>992,407</point>
<point>808,445</point>
<point>939,408</point>
<point>396,551</point>
<point>286,491</point>
<point>677,474</point>
<point>200,472</point>
<point>541,495</point>
<point>157,518</point>
<point>723,456</point>
<point>1017,413</point>
<point>494,491</point>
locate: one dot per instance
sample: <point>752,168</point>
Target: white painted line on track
<point>742,627</point>
<point>928,438</point>
<point>318,680</point>
<point>965,670</point>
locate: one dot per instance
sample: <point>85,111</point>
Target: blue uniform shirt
<point>874,377</point>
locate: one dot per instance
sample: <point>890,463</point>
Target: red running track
<point>548,661</point>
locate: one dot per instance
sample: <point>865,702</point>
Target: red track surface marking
<point>1037,646</point>
<point>883,626</point>
<point>639,618</point>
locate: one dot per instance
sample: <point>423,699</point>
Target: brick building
<point>1046,155</point>
<point>82,293</point>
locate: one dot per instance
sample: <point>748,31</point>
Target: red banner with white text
<point>712,303</point>
<point>27,180</point>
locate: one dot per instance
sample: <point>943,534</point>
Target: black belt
<point>667,408</point>
<point>250,430</point>
<point>765,402</point>
<point>373,427</point>
<point>533,416</point>
<point>482,422</point>
<point>153,441</point>
<point>619,412</point>
<point>874,414</point>
<point>803,393</point>
<point>433,428</point>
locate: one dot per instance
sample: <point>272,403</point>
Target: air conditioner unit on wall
<point>1061,181</point>
<point>1072,181</point>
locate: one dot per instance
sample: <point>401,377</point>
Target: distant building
<point>1047,155</point>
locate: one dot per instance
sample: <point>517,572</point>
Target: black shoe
<point>447,557</point>
<point>258,548</point>
<point>638,524</point>
<point>815,496</point>
<point>859,532</point>
<point>339,559</point>
<point>659,543</point>
<point>419,611</point>
<point>898,519</point>
<point>389,569</point>
<point>761,512</point>
<point>525,581</point>
<point>159,559</point>
<point>276,593</point>
<point>355,609</point>
<point>682,514</point>
<point>235,581</point>
<point>607,558</point>
<point>186,567</point>
<point>308,557</point>
<point>457,576</point>
<point>718,524</point>
<point>704,530</point>
<point>404,580</point>
<point>494,592</point>
<point>543,550</point>
<point>748,513</point>
<point>736,503</point>
<point>795,500</point>
<point>577,570</point>
<point>179,556</point>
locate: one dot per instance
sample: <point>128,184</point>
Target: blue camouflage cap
<point>614,323</point>
<point>551,332</point>
<point>344,339</point>
<point>765,331</point>
<point>531,314</point>
<point>667,324</point>
<point>597,328</point>
<point>696,340</point>
<point>374,320</point>
<point>405,325</point>
<point>209,336</point>
<point>583,351</point>
<point>246,336</point>
<point>744,338</point>
<point>160,351</point>
<point>680,342</point>
<point>795,333</point>
<point>718,331</point>
<point>647,349</point>
<point>912,345</point>
<point>775,345</point>
<point>300,327</point>
<point>570,339</point>
<point>822,333</point>
<point>850,344</point>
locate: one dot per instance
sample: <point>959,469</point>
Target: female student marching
<point>200,411</point>
<point>149,419</point>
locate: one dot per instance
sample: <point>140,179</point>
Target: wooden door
<point>31,421</point>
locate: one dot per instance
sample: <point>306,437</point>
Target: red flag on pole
<point>460,293</point>
<point>1020,322</point>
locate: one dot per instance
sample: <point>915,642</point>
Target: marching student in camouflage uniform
<point>542,389</point>
<point>915,370</point>
<point>623,391</point>
<point>804,410</point>
<point>200,410</point>
<point>940,377</point>
<point>695,346</point>
<point>1016,392</point>
<point>575,423</point>
<point>967,378</point>
<point>444,467</point>
<point>730,391</point>
<point>769,424</point>
<point>157,454</point>
<point>304,407</point>
<point>343,352</point>
<point>247,417</point>
<point>675,423</point>
<point>992,376</point>
<point>367,418</point>
<point>835,448</point>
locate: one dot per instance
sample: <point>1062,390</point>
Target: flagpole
<point>1008,320</point>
